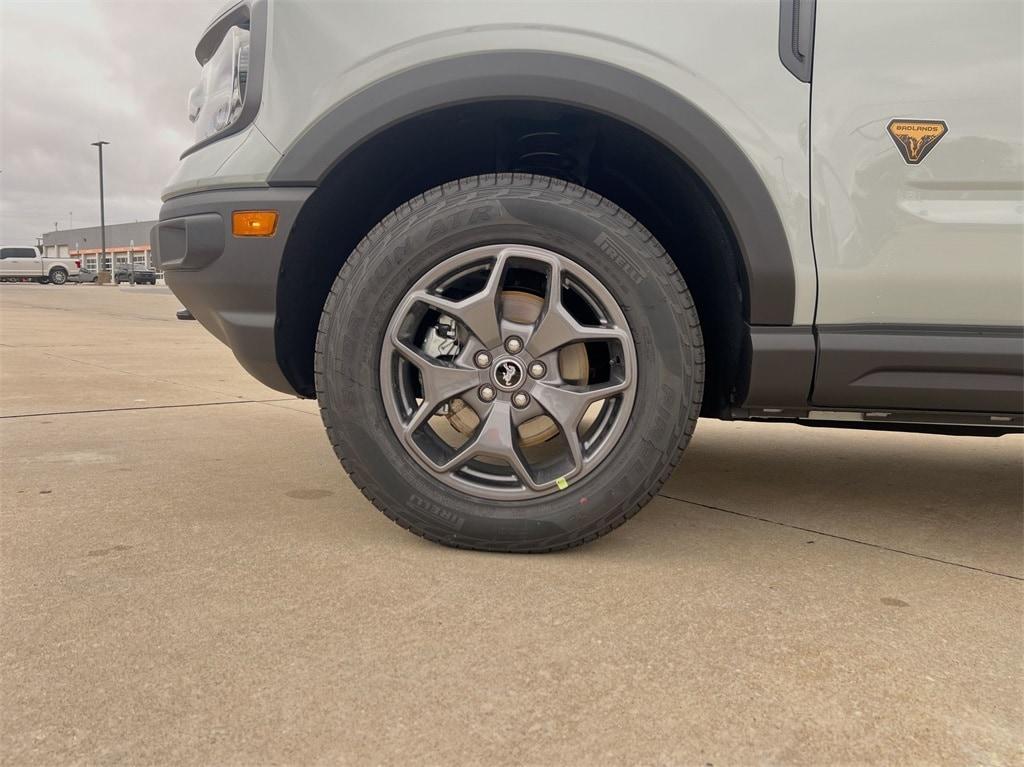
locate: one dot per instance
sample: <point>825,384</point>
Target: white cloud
<point>72,72</point>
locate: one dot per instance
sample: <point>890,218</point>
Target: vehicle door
<point>918,203</point>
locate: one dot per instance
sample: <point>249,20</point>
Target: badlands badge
<point>915,138</point>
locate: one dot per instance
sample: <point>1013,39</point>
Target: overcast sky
<point>73,72</point>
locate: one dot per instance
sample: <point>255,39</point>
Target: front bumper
<point>230,283</point>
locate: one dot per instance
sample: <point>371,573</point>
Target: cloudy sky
<point>73,72</point>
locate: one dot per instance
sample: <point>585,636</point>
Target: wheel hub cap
<point>508,374</point>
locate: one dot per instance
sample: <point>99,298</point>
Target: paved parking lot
<point>188,576</point>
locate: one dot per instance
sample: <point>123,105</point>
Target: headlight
<point>217,101</point>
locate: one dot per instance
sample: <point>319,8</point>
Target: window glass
<point>18,253</point>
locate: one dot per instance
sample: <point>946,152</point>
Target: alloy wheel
<point>508,372</point>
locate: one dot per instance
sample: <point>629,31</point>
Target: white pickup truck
<point>18,262</point>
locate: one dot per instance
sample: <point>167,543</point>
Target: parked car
<point>21,263</point>
<point>515,250</point>
<point>86,275</point>
<point>140,275</point>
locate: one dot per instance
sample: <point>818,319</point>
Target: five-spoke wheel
<point>508,371</point>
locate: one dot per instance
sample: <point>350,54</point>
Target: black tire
<point>58,275</point>
<point>528,210</point>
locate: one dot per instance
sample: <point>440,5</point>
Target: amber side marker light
<point>254,223</point>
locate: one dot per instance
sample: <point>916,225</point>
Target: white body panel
<point>940,242</point>
<point>202,169</point>
<point>322,53</point>
<point>935,243</point>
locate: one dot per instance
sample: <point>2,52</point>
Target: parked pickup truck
<point>20,263</point>
<point>516,249</point>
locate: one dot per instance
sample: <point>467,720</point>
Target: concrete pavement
<point>188,577</point>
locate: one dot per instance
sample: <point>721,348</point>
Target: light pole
<point>103,220</point>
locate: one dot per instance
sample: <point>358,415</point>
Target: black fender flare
<point>590,84</point>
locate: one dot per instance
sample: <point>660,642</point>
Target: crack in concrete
<point>273,403</point>
<point>843,538</point>
<point>95,312</point>
<point>151,407</point>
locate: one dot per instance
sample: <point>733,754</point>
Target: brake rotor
<point>573,365</point>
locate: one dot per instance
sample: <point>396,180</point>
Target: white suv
<point>516,249</point>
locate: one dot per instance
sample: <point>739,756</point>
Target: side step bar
<point>984,424</point>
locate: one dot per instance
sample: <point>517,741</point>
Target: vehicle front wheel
<point>509,363</point>
<point>58,276</point>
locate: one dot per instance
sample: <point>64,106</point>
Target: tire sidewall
<point>376,279</point>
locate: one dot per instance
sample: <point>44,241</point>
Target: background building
<point>125,242</point>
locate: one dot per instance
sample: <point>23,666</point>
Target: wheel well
<point>599,152</point>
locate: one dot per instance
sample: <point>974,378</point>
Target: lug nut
<point>520,399</point>
<point>538,369</point>
<point>486,393</point>
<point>482,359</point>
<point>514,345</point>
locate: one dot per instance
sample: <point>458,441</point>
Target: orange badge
<point>915,138</point>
